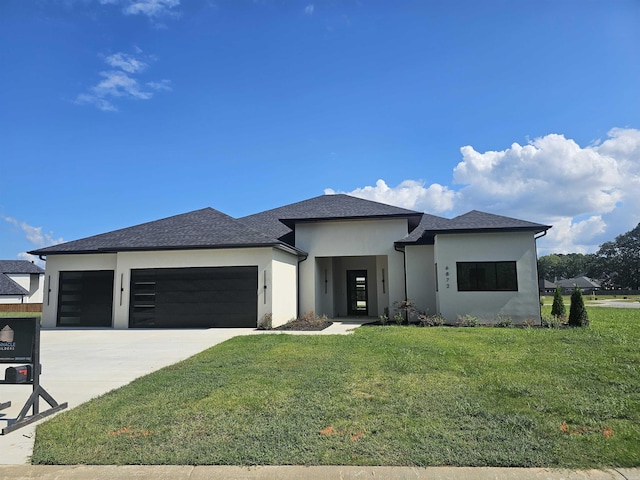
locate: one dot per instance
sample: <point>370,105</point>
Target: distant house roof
<point>206,228</point>
<point>280,221</point>
<point>581,282</point>
<point>9,287</point>
<point>8,267</point>
<point>474,221</point>
<point>19,266</point>
<point>546,285</point>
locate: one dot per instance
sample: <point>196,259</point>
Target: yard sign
<point>20,344</point>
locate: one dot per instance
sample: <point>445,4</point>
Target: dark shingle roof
<point>206,228</point>
<point>474,221</point>
<point>9,287</point>
<point>278,222</point>
<point>427,223</point>
<point>580,282</point>
<point>19,266</point>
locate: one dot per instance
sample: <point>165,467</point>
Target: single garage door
<point>85,299</point>
<point>202,297</point>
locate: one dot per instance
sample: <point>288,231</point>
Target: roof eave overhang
<point>290,222</point>
<point>428,235</point>
<point>107,250</point>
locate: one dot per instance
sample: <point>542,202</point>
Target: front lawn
<point>382,396</point>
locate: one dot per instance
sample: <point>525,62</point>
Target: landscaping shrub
<point>551,321</point>
<point>425,320</point>
<point>468,321</point>
<point>503,321</point>
<point>578,316</point>
<point>558,309</point>
<point>405,311</point>
<point>265,323</point>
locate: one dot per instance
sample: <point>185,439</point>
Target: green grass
<point>20,314</point>
<point>383,396</point>
<point>591,299</point>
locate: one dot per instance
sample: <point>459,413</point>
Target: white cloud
<point>161,85</point>
<point>588,194</point>
<point>121,82</point>
<point>308,10</point>
<point>151,8</point>
<point>126,62</point>
<point>35,236</point>
<point>410,194</point>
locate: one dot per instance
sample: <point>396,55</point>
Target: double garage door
<point>202,297</point>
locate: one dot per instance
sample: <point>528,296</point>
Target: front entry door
<point>357,293</point>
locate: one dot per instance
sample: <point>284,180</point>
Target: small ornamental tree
<point>558,309</point>
<point>578,313</point>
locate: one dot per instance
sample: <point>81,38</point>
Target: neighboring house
<point>335,255</point>
<point>546,287</point>
<point>20,282</point>
<point>586,284</point>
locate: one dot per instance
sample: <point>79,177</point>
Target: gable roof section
<point>476,220</point>
<point>9,287</point>
<point>471,222</point>
<point>19,266</point>
<point>279,222</point>
<point>205,228</point>
<point>580,282</point>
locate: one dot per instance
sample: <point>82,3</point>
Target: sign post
<point>20,344</point>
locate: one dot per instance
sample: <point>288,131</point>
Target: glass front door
<point>357,292</point>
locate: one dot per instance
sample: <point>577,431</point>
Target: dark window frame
<point>499,276</point>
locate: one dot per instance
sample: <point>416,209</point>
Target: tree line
<point>616,264</point>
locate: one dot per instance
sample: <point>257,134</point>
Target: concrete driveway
<point>78,365</point>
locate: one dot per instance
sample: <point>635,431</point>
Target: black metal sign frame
<point>20,343</point>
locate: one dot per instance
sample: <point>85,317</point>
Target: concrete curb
<point>186,472</point>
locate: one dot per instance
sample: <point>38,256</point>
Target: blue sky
<point>118,112</point>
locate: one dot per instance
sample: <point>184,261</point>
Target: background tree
<point>578,316</point>
<point>570,265</point>
<point>558,309</point>
<point>619,261</point>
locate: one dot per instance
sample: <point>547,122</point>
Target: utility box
<point>21,374</point>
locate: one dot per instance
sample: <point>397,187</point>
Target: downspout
<point>535,246</point>
<point>404,271</point>
<point>298,285</point>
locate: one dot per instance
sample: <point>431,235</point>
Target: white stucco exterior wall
<point>519,247</point>
<point>283,287</point>
<point>421,277</point>
<point>351,238</point>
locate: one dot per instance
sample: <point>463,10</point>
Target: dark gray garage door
<point>194,297</point>
<point>85,299</point>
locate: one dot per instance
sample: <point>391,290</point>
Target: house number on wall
<point>446,274</point>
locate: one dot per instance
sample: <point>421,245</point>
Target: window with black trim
<point>487,276</point>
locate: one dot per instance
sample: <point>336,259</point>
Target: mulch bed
<point>303,324</point>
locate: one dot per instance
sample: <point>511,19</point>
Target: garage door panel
<point>194,297</point>
<point>85,298</point>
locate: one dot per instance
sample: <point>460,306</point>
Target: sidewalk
<point>176,472</point>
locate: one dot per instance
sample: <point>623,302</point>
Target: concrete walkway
<point>80,364</point>
<point>178,472</point>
